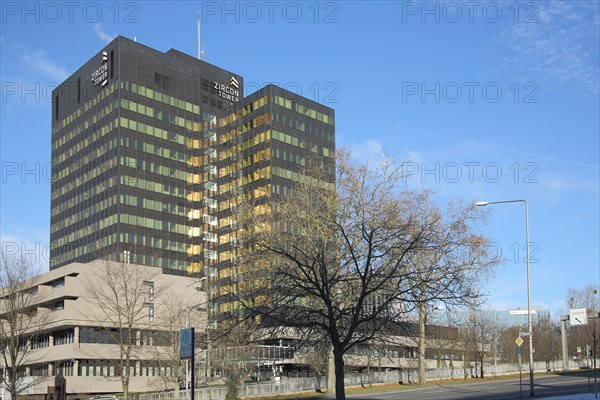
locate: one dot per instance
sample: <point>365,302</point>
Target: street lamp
<point>529,325</point>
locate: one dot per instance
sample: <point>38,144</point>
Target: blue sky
<point>483,100</point>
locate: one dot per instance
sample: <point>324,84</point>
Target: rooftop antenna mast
<point>200,47</point>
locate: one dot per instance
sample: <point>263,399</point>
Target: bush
<point>232,392</point>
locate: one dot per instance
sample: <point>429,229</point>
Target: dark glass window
<point>63,337</point>
<point>100,335</point>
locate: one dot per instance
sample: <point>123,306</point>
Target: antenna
<point>200,47</point>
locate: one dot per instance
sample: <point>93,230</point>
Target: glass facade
<point>151,152</point>
<point>134,159</point>
<point>267,142</point>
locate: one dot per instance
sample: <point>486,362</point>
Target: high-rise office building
<point>266,143</point>
<point>134,154</point>
<point>150,150</point>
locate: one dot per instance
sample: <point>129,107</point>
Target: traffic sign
<point>523,333</point>
<point>519,341</point>
<point>186,343</point>
<point>578,316</point>
<point>520,351</point>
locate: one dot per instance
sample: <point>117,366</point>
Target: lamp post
<point>529,324</point>
<point>205,280</point>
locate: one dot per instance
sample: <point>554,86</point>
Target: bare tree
<point>331,262</point>
<point>547,341</point>
<point>316,356</point>
<point>580,336</point>
<point>506,344</point>
<point>124,294</point>
<point>451,266</point>
<point>586,297</point>
<point>175,314</point>
<point>234,353</point>
<point>20,322</point>
<point>481,333</point>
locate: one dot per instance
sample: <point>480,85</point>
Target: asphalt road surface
<point>545,386</point>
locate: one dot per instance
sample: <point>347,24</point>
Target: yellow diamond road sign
<point>519,341</point>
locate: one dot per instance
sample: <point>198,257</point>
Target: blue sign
<point>186,343</point>
<point>520,351</point>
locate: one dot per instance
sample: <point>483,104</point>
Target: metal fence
<point>298,385</point>
<point>285,385</point>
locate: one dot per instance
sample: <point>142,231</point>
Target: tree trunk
<point>13,378</point>
<point>340,392</point>
<point>422,378</point>
<point>481,366</point>
<point>13,383</point>
<point>125,380</point>
<point>330,372</point>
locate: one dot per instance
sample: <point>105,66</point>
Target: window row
<point>305,144</point>
<point>157,187</point>
<point>71,217</point>
<point>295,176</point>
<point>57,338</point>
<point>163,116</point>
<point>315,130</point>
<point>247,109</point>
<point>66,246</point>
<point>304,110</point>
<point>87,139</point>
<point>161,97</point>
<point>151,223</point>
<point>148,166</point>
<point>86,107</point>
<point>150,204</point>
<point>70,167</point>
<point>91,228</point>
<point>152,131</point>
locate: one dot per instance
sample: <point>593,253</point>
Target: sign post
<point>519,342</point>
<point>186,351</point>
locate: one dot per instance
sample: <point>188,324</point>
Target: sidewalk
<point>584,396</point>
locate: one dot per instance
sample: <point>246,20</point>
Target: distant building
<point>505,318</point>
<point>76,343</point>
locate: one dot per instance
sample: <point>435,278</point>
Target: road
<point>546,385</point>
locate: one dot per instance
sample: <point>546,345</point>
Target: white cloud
<point>39,62</point>
<point>555,184</point>
<point>98,30</point>
<point>410,156</point>
<point>561,46</point>
<point>368,150</point>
